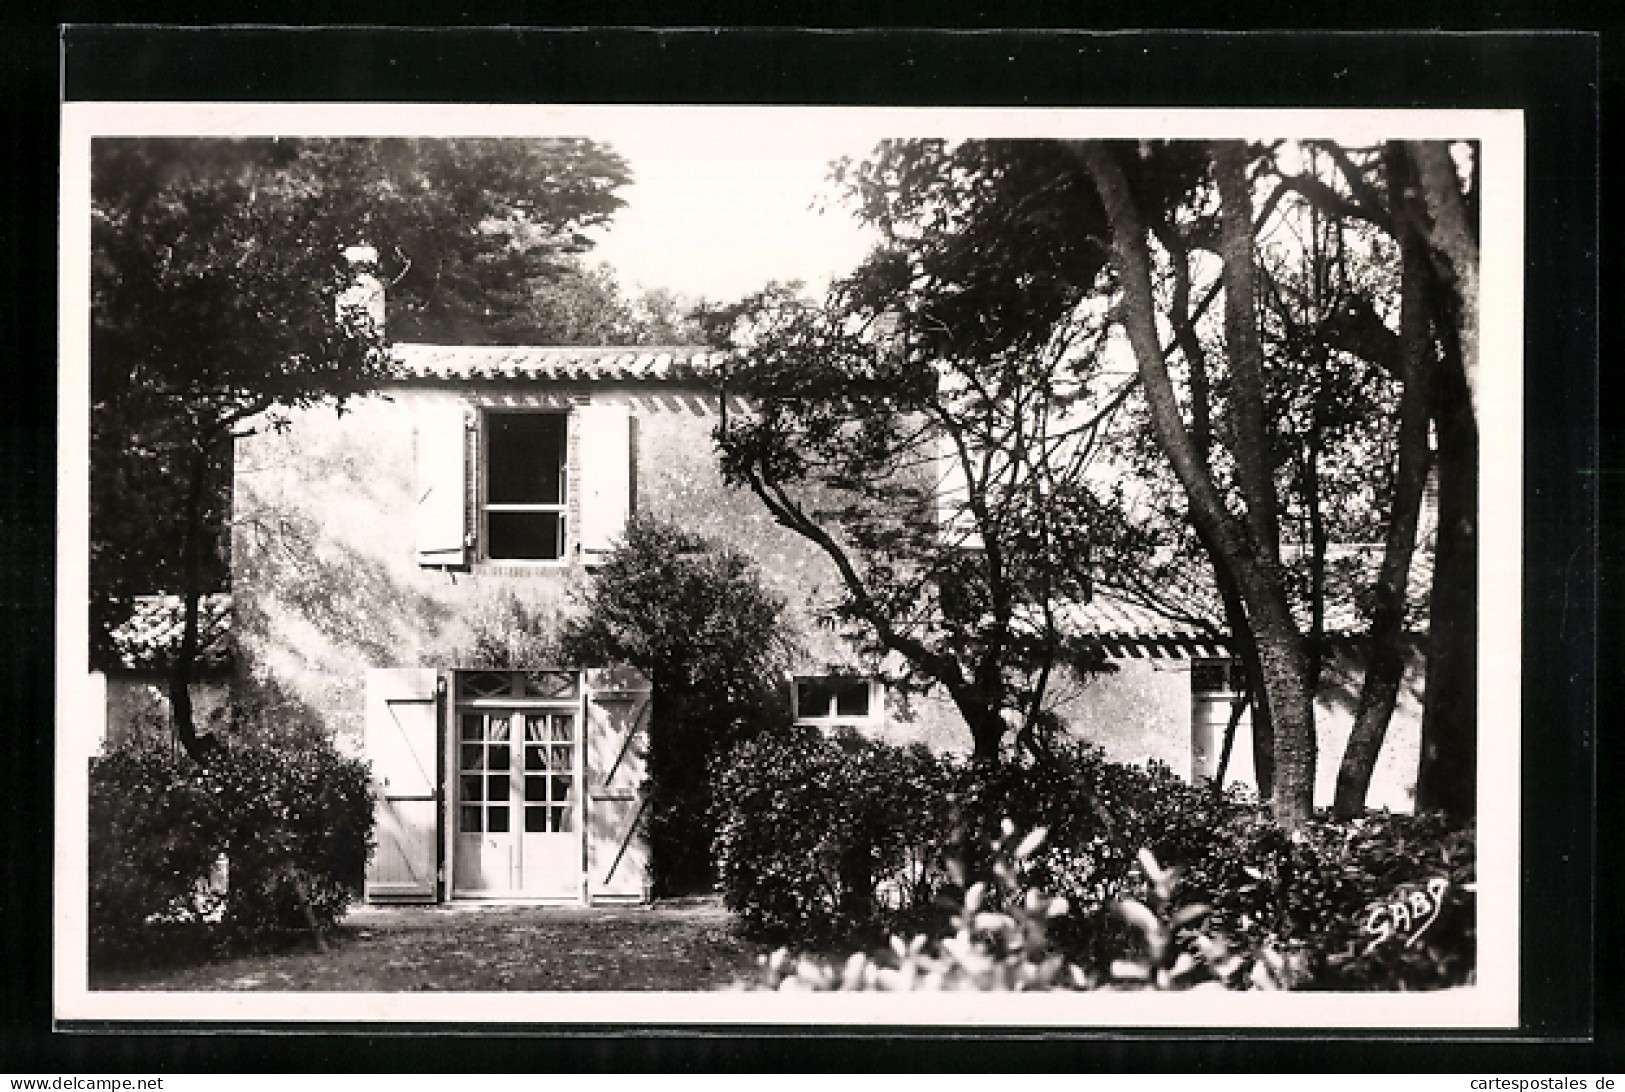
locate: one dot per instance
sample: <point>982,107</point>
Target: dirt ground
<point>685,944</point>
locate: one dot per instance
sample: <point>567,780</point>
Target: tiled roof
<point>149,638</point>
<point>570,363</point>
<point>1190,622</point>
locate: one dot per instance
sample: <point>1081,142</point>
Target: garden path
<point>679,944</point>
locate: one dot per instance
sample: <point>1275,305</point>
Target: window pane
<point>1207,678</point>
<point>524,536</point>
<point>496,820</point>
<point>852,697</point>
<point>471,820</point>
<point>535,820</point>
<point>813,697</point>
<point>525,458</point>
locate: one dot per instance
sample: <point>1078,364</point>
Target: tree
<point>712,640</point>
<point>1413,191</point>
<point>927,427</point>
<point>218,278</point>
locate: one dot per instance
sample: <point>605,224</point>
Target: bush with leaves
<point>1319,893</point>
<point>1000,940</point>
<point>155,834</point>
<point>293,822</point>
<point>825,839</point>
<point>701,625</point>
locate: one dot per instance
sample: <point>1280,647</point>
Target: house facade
<point>370,547</point>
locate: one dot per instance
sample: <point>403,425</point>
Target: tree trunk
<point>1386,653</point>
<point>1251,550</point>
<point>1447,773</point>
<point>182,670</point>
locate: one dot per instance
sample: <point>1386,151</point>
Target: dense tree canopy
<point>218,281</point>
<point>1255,290</point>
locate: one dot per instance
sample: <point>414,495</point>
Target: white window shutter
<point>606,477</point>
<point>442,493</point>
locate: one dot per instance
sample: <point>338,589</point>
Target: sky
<point>720,205</point>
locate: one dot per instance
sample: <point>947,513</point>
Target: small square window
<point>836,699</point>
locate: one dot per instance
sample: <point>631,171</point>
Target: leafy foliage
<point>293,822</point>
<point>700,624</point>
<point>1166,884</point>
<point>929,425</point>
<point>823,839</point>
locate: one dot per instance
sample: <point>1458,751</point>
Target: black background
<point>1571,999</point>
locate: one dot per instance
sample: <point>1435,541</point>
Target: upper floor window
<point>520,485</point>
<point>523,508</point>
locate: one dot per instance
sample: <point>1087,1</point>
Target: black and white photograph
<point>753,565</point>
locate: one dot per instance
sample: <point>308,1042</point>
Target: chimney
<point>365,296</point>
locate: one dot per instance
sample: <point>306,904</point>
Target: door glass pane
<point>471,789</point>
<point>473,724</point>
<point>563,727</point>
<point>497,788</point>
<point>485,684</point>
<point>550,684</point>
<point>497,819</point>
<point>562,820</point>
<point>561,790</point>
<point>473,756</point>
<point>535,820</point>
<point>536,789</point>
<point>471,819</point>
<point>536,727</point>
<point>535,758</point>
<point>499,727</point>
<point>561,757</point>
<point>498,757</point>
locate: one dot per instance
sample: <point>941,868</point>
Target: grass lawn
<point>685,944</point>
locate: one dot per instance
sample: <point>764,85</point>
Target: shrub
<point>293,823</point>
<point>154,837</point>
<point>825,839</point>
<point>298,831</point>
<point>817,833</point>
<point>698,621</point>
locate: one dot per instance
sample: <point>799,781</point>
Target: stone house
<point>368,546</point>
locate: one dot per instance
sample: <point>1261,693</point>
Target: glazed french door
<point>517,811</point>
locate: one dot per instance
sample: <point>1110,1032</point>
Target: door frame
<point>452,707</point>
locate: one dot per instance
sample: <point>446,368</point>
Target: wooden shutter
<point>617,744</point>
<point>402,733</point>
<point>606,472</point>
<point>442,490</point>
